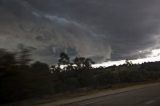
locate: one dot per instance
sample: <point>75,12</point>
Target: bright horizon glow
<point>153,57</point>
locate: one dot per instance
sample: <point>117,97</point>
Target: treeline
<point>20,79</point>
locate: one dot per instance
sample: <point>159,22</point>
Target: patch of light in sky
<point>153,57</point>
<point>154,53</point>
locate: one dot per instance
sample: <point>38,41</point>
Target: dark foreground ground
<point>138,95</point>
<point>147,96</point>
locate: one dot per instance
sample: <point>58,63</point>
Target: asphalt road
<point>148,96</point>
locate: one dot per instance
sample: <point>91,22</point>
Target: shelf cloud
<point>100,29</point>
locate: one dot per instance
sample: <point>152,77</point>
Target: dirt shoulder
<point>98,94</point>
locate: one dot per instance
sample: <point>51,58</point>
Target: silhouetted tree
<point>80,62</point>
<point>40,67</point>
<point>83,62</point>
<point>7,58</point>
<point>24,55</point>
<point>64,59</point>
<point>7,62</point>
<point>88,62</point>
<point>128,63</point>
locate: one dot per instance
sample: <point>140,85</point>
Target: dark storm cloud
<point>130,25</point>
<point>123,27</point>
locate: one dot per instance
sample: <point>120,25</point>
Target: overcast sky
<point>100,29</point>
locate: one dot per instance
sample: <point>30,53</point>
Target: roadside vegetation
<point>22,79</point>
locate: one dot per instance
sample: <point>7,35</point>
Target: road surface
<point>147,96</point>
